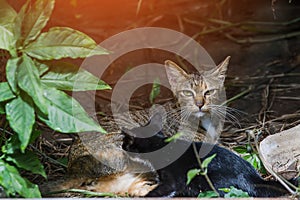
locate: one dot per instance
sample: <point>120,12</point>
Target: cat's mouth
<point>199,114</point>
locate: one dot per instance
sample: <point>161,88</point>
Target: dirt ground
<point>264,74</point>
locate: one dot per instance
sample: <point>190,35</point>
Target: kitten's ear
<point>174,74</point>
<point>128,138</point>
<point>221,69</point>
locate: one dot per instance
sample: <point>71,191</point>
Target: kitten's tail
<point>270,189</point>
<point>54,188</point>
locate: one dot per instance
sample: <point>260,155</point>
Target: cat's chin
<point>199,114</point>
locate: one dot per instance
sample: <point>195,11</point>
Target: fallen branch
<point>270,38</point>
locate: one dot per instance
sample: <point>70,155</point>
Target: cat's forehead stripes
<point>197,82</point>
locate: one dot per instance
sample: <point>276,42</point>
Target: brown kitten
<point>133,177</point>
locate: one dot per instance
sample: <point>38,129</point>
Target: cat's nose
<point>199,104</point>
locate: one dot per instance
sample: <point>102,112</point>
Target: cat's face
<point>196,93</point>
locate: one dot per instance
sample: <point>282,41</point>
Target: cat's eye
<point>187,93</point>
<point>209,92</point>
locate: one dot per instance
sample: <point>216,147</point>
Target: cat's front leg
<point>167,186</point>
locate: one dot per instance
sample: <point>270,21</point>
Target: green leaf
<point>63,42</point>
<point>226,190</point>
<point>28,161</point>
<point>12,145</point>
<point>174,137</point>
<point>207,160</point>
<point>252,160</point>
<point>34,134</point>
<point>63,161</point>
<point>7,39</point>
<point>7,15</point>
<point>2,108</point>
<point>255,161</point>
<point>66,115</point>
<point>21,117</point>
<point>66,76</point>
<point>240,149</point>
<point>208,194</point>
<point>32,19</point>
<point>19,21</point>
<point>234,192</point>
<point>42,67</point>
<point>29,81</point>
<point>155,90</point>
<point>13,183</point>
<point>6,92</point>
<point>36,19</point>
<point>11,73</point>
<point>192,173</point>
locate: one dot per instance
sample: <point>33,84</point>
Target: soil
<point>265,58</point>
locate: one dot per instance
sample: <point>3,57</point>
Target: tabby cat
<point>198,99</point>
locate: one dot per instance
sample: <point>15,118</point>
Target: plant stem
<point>205,175</point>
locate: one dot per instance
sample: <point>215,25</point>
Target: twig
<point>273,76</point>
<point>289,98</point>
<point>180,23</point>
<point>270,38</point>
<point>283,117</point>
<point>237,96</point>
<point>227,25</point>
<point>273,8</point>
<point>48,157</point>
<point>138,8</point>
<point>193,22</point>
<point>260,23</point>
<point>213,30</point>
<point>262,114</point>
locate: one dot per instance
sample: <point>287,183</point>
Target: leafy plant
<point>208,194</point>
<point>174,137</point>
<point>233,192</point>
<point>155,90</point>
<point>251,156</point>
<point>35,84</point>
<point>192,173</point>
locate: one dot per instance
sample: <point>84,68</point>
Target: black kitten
<point>225,170</point>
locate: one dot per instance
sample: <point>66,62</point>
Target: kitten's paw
<point>142,188</point>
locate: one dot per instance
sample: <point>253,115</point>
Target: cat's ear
<point>221,69</point>
<point>175,74</point>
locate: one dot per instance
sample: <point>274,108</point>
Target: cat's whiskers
<point>173,114</point>
<point>227,113</point>
<point>177,116</point>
